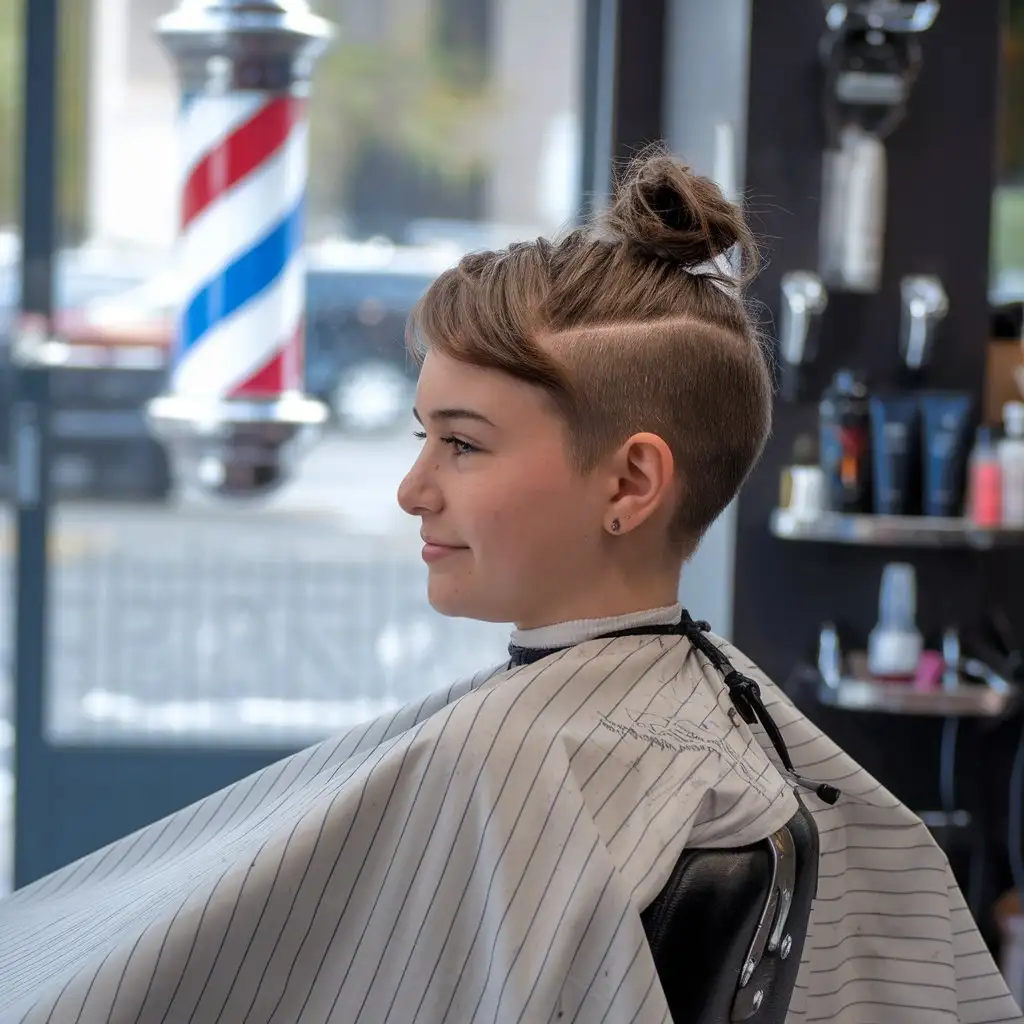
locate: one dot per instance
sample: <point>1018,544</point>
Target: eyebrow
<point>454,414</point>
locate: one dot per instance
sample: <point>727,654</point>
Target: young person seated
<point>588,407</point>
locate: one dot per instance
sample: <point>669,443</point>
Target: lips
<point>435,551</point>
<point>435,543</point>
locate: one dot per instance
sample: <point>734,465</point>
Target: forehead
<point>447,383</point>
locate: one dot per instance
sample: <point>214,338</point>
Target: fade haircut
<point>635,322</point>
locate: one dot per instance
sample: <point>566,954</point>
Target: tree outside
<point>400,108</point>
<point>74,48</point>
<point>405,101</point>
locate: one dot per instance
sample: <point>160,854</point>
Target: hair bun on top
<point>665,211</point>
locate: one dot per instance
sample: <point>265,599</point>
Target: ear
<point>643,482</point>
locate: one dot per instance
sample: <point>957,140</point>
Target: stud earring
<point>616,526</point>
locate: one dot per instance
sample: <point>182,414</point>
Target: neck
<point>598,603</point>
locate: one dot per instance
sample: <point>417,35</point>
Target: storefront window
<point>184,625</point>
<point>1008,202</point>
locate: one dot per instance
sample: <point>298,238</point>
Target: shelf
<point>965,701</point>
<point>892,531</point>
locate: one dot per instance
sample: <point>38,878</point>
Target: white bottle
<point>895,644</point>
<point>1011,462</point>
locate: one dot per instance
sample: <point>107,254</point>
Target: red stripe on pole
<point>237,156</point>
<point>282,372</point>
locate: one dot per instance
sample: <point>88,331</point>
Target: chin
<point>461,603</point>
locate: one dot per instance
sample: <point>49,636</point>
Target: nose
<point>418,493</point>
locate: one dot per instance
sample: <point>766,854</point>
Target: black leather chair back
<point>728,929</point>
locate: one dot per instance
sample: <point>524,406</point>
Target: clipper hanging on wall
<point>872,57</point>
<point>924,307</point>
<point>853,211</point>
<point>804,299</point>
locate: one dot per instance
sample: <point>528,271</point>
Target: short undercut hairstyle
<point>635,322</point>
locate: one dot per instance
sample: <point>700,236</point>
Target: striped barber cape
<point>483,856</point>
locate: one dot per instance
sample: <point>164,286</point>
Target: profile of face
<point>512,531</point>
<point>507,523</point>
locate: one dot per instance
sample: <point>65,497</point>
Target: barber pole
<point>235,407</point>
<point>240,331</point>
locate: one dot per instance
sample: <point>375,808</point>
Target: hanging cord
<point>947,765</point>
<point>1015,826</point>
<point>746,696</point>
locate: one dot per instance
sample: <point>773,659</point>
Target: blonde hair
<point>635,322</point>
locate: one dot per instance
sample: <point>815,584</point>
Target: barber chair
<point>728,929</point>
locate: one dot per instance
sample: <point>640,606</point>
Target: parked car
<point>358,301</point>
<point>102,445</point>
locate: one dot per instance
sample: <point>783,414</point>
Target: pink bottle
<point>985,486</point>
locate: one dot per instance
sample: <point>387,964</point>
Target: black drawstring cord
<point>745,693</point>
<point>746,696</point>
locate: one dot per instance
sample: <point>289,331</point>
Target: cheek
<point>538,519</point>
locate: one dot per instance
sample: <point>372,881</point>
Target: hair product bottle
<point>844,423</point>
<point>985,482</point>
<point>895,644</point>
<point>1011,461</point>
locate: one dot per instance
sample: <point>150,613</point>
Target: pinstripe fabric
<point>483,855</point>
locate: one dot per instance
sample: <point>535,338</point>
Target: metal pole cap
<point>250,37</point>
<point>883,15</point>
<point>236,448</point>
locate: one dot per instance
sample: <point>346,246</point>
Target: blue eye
<point>459,446</point>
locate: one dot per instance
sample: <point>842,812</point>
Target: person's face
<point>512,532</point>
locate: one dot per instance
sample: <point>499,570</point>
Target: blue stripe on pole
<point>251,273</point>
